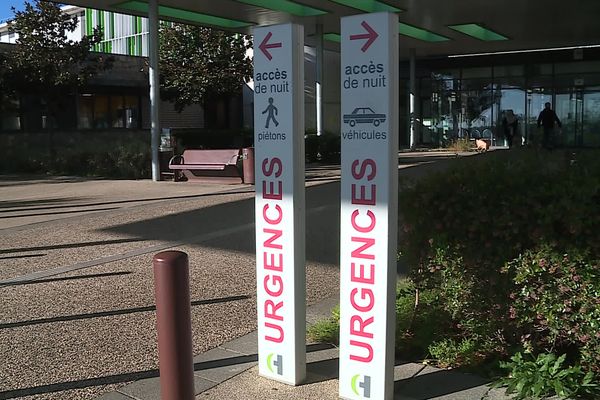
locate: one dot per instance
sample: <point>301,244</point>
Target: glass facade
<point>470,101</point>
<point>108,111</point>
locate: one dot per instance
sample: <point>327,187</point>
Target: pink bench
<point>215,166</point>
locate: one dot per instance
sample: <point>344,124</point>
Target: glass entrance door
<point>590,134</point>
<point>569,108</point>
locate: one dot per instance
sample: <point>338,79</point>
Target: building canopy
<point>431,27</point>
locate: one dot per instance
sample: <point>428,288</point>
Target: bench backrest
<point>219,157</point>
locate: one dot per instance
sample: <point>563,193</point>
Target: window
<point>102,111</point>
<point>10,119</point>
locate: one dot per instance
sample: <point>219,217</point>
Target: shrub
<point>455,353</point>
<point>328,330</point>
<point>418,323</point>
<point>461,145</point>
<point>460,227</point>
<point>545,376</point>
<point>556,303</point>
<point>416,328</point>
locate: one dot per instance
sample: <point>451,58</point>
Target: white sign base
<point>280,209</point>
<point>369,202</point>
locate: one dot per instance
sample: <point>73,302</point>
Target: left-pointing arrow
<point>265,46</point>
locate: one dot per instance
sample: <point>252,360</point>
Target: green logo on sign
<point>365,385</point>
<point>277,363</point>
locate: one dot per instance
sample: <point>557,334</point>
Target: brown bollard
<point>174,325</point>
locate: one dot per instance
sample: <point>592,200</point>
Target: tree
<point>44,62</point>
<point>197,63</point>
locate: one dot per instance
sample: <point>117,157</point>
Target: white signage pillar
<point>280,209</point>
<point>369,205</point>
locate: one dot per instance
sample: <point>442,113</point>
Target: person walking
<point>546,119</point>
<point>510,124</point>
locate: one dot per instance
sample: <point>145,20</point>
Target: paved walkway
<point>229,371</point>
<point>76,285</point>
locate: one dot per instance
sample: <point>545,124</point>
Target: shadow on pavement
<point>23,256</point>
<point>437,384</point>
<point>67,278</point>
<point>57,212</point>
<point>133,376</point>
<point>67,246</point>
<point>230,226</point>
<point>100,314</point>
<point>42,204</point>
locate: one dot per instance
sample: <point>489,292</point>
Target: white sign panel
<point>369,198</point>
<point>279,166</point>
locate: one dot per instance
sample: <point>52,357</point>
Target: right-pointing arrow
<point>371,35</point>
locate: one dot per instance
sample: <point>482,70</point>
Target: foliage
<point>418,324</point>
<point>416,329</point>
<point>106,154</point>
<point>197,63</point>
<point>545,376</point>
<point>461,145</point>
<point>327,330</point>
<point>556,303</point>
<point>461,227</point>
<point>454,353</point>
<point>44,61</point>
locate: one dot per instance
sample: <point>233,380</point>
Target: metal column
<point>154,86</point>
<point>411,99</point>
<point>319,78</point>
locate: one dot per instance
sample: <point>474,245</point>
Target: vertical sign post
<point>369,198</point>
<point>279,162</point>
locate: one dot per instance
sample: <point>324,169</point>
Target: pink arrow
<point>371,35</point>
<point>264,46</point>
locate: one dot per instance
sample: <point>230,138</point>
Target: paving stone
<point>497,394</point>
<point>114,396</point>
<point>433,383</point>
<point>149,389</point>
<point>406,370</point>
<point>247,344</point>
<point>218,364</point>
<point>321,310</point>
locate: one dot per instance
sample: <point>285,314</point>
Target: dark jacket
<point>547,118</point>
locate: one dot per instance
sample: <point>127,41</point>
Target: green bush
<point>461,145</point>
<point>545,376</point>
<point>462,226</point>
<point>115,154</point>
<point>418,323</point>
<point>416,328</point>
<point>556,303</point>
<point>327,330</point>
<point>455,353</point>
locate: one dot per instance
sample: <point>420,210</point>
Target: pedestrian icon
<point>272,110</point>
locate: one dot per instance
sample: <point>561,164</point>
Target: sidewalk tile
<point>149,389</point>
<point>218,364</point>
<point>114,396</point>
<point>247,344</point>
<point>433,383</point>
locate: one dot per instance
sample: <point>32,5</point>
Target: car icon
<point>363,115</point>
